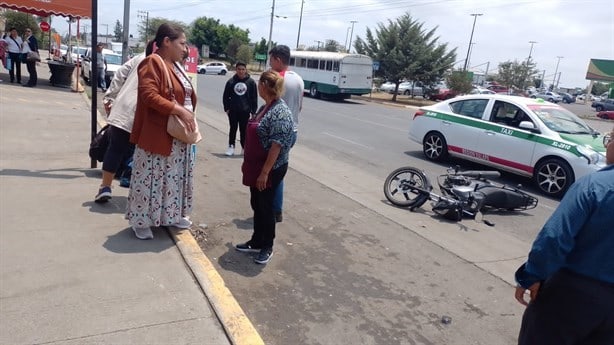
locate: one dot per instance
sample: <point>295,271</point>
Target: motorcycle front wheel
<point>407,187</point>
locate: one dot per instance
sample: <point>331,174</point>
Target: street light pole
<point>530,51</point>
<point>555,71</point>
<point>318,44</point>
<point>347,33</point>
<point>106,37</point>
<point>268,49</point>
<point>300,20</point>
<point>351,34</point>
<point>475,18</point>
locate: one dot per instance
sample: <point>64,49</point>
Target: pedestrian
<point>101,62</point>
<point>569,273</point>
<point>279,59</point>
<point>120,105</point>
<point>162,172</point>
<point>240,101</point>
<point>14,49</point>
<point>30,44</point>
<point>265,162</point>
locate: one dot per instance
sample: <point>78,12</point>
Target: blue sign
<point>375,65</point>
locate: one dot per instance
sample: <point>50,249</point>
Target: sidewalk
<point>71,271</point>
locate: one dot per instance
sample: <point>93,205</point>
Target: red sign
<point>45,26</point>
<point>192,61</point>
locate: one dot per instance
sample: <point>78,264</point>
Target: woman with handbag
<point>30,49</point>
<point>265,162</point>
<point>14,43</point>
<point>162,172</point>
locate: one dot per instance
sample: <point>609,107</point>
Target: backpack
<point>98,146</point>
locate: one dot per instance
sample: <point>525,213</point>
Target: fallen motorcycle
<point>463,193</point>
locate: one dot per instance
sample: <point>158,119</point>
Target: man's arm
<point>226,95</point>
<point>253,95</point>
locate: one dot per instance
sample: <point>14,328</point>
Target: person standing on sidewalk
<point>31,45</point>
<point>102,66</point>
<point>120,105</point>
<point>265,162</point>
<point>570,270</point>
<point>279,59</point>
<point>240,101</point>
<point>14,49</point>
<point>161,185</point>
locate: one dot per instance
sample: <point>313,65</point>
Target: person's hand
<point>533,290</point>
<point>262,180</point>
<point>186,116</point>
<point>107,107</point>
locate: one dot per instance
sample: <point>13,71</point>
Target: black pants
<point>237,120</point>
<point>31,65</point>
<point>570,309</point>
<point>15,67</point>
<point>262,204</point>
<point>119,150</point>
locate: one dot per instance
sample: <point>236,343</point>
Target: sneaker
<point>184,223</point>
<point>247,248</point>
<point>143,233</point>
<point>230,151</point>
<point>124,182</point>
<point>104,195</point>
<point>264,256</point>
<point>279,217</point>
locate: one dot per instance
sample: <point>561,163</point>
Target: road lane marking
<point>347,140</point>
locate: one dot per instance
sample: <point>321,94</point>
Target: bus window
<point>291,61</point>
<point>336,66</point>
<point>322,64</point>
<point>302,63</point>
<point>329,65</point>
<point>311,63</point>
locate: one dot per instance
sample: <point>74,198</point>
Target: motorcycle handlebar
<point>479,174</point>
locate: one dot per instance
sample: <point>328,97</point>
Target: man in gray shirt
<point>279,59</point>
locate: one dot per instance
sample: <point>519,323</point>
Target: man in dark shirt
<point>570,270</point>
<point>240,101</point>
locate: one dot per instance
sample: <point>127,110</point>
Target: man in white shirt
<point>15,44</point>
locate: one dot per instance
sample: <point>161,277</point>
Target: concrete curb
<point>238,327</point>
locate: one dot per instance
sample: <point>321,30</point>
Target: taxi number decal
<point>507,131</point>
<point>561,145</point>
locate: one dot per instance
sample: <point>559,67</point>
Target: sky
<point>566,33</point>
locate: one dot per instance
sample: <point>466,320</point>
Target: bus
<point>331,74</point>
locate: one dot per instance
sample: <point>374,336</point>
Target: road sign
<point>375,65</point>
<point>260,57</point>
<point>45,26</point>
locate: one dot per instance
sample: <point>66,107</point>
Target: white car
<point>410,88</point>
<point>525,136</point>
<point>548,96</point>
<point>387,87</point>
<point>212,67</point>
<point>114,62</point>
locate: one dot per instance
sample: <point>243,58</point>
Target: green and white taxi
<point>525,136</point>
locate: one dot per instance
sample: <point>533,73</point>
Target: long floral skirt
<point>161,186</point>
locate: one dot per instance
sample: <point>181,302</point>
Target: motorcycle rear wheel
<point>407,187</point>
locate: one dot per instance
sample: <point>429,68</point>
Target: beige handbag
<point>175,126</point>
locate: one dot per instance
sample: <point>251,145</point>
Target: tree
<point>118,32</point>
<point>21,21</point>
<point>405,50</point>
<point>245,54</point>
<point>261,47</point>
<point>516,74</point>
<point>232,48</point>
<point>331,46</point>
<point>147,29</point>
<point>460,81</point>
<point>209,31</point>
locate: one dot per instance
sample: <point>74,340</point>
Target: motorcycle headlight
<point>591,155</point>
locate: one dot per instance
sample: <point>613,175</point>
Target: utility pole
<point>351,34</point>
<point>347,33</point>
<point>106,37</point>
<point>300,20</point>
<point>555,72</point>
<point>144,15</point>
<point>126,31</point>
<point>84,27</point>
<point>318,44</point>
<point>475,17</point>
<point>268,49</point>
<point>530,51</point>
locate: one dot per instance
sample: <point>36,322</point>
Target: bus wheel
<point>313,91</point>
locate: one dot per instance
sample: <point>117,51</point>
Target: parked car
<point>525,136</point>
<point>498,89</point>
<point>441,94</point>
<point>387,87</point>
<point>567,98</point>
<point>212,67</point>
<point>606,114</point>
<point>549,96</point>
<point>410,88</point>
<point>75,54</point>
<point>481,91</point>
<point>607,104</point>
<point>114,62</point>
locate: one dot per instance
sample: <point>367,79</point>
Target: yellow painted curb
<point>238,327</point>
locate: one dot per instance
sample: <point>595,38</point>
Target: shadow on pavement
<point>116,205</point>
<point>55,173</point>
<point>124,242</point>
<point>240,263</point>
<point>244,224</point>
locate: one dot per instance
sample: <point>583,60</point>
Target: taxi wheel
<point>553,177</point>
<point>435,147</point>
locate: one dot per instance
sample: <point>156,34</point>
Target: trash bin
<point>61,73</point>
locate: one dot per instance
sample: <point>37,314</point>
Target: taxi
<point>529,137</point>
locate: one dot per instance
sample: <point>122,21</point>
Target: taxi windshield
<point>561,120</point>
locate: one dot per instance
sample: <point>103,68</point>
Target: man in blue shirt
<point>570,270</point>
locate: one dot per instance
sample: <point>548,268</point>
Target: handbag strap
<point>171,90</point>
